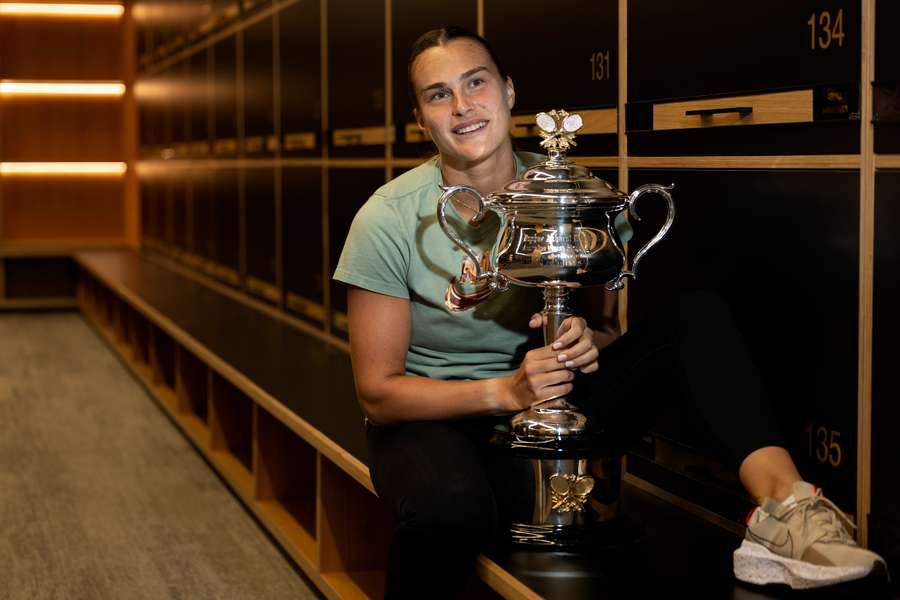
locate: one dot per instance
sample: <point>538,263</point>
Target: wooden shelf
<point>326,518</point>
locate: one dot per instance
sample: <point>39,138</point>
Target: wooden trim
<point>479,17</point>
<point>824,161</point>
<point>596,121</point>
<point>779,107</point>
<point>623,141</point>
<point>35,303</point>
<point>364,136</point>
<point>389,89</point>
<point>326,120</point>
<point>694,509</point>
<point>130,130</point>
<point>502,582</point>
<point>887,161</point>
<point>599,161</point>
<point>263,288</point>
<point>49,249</point>
<point>866,277</point>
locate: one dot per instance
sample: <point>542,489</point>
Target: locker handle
<point>705,112</point>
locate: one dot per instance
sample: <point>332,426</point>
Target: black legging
<point>451,494</point>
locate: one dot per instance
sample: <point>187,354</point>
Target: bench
<point>270,403</point>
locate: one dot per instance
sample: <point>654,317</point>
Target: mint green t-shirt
<point>396,247</point>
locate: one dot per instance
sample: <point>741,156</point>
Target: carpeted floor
<point>100,495</point>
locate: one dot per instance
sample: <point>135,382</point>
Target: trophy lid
<point>558,180</point>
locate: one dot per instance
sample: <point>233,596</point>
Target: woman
<point>433,378</point>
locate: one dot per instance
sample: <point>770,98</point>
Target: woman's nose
<point>461,104</point>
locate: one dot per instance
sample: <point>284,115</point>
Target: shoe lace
<point>819,510</point>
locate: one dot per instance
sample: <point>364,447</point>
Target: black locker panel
<point>179,192</point>
<point>260,222</point>
<point>42,277</point>
<point>226,218</point>
<point>577,45</point>
<point>146,202</point>
<point>410,19</point>
<point>203,206</point>
<point>198,97</point>
<point>348,190</point>
<point>259,82</point>
<point>884,525</point>
<point>781,247</point>
<point>301,73</point>
<point>178,95</point>
<point>886,87</point>
<point>356,94</point>
<point>301,209</point>
<point>224,88</point>
<point>702,49</point>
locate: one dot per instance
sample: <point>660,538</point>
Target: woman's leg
<point>433,476</point>
<point>694,353</point>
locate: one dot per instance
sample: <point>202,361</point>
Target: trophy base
<point>555,419</point>
<point>576,481</point>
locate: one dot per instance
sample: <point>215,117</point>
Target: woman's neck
<point>486,176</point>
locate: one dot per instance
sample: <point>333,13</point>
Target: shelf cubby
<point>192,391</point>
<point>354,534</point>
<point>231,432</point>
<point>286,474</point>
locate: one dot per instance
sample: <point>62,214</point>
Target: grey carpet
<point>100,495</point>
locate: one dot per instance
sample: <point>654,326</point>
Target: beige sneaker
<point>801,542</point>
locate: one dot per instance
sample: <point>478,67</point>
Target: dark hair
<point>439,37</point>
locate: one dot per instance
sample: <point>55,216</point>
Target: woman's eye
<point>437,96</point>
<point>476,82</point>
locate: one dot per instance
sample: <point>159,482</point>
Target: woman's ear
<point>418,118</point>
<point>510,93</point>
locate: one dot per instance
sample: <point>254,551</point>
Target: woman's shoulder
<point>421,181</point>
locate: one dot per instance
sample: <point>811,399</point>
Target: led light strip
<point>61,9</point>
<point>62,168</point>
<point>59,88</point>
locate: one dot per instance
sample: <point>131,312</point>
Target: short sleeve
<point>376,251</point>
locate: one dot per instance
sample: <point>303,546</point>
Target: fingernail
<point>561,358</point>
<point>557,345</point>
<point>570,363</point>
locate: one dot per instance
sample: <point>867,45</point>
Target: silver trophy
<point>558,232</point>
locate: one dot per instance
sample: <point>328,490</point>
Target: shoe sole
<point>754,563</point>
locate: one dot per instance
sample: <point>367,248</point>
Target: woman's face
<point>462,101</point>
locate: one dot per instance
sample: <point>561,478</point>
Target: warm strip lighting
<point>61,10</point>
<point>62,168</point>
<point>54,88</point>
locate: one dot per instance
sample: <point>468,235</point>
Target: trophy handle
<point>450,191</point>
<point>662,190</point>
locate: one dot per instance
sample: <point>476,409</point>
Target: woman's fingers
<point>570,330</point>
<point>576,352</point>
<point>537,320</point>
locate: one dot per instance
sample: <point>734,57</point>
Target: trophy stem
<point>554,418</point>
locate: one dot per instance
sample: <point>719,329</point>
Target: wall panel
<point>781,247</point>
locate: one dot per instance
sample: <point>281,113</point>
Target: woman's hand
<point>547,372</point>
<point>576,347</point>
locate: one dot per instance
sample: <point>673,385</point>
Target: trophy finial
<point>558,130</point>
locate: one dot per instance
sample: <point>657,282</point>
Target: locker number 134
<point>825,29</point>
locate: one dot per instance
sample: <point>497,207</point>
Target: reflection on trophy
<point>558,231</point>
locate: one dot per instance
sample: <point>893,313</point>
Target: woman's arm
<point>379,339</point>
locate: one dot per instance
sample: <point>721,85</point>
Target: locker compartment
<point>301,202</point>
<point>301,73</point>
<point>224,89</point>
<point>806,48</point>
<point>48,277</point>
<point>348,190</point>
<point>781,248</point>
<point>579,48</point>
<point>260,222</point>
<point>884,525</point>
<point>146,203</point>
<point>198,104</point>
<point>259,97</point>
<point>356,93</point>
<point>226,218</point>
<point>886,87</point>
<point>411,19</point>
<point>203,207</point>
<point>179,86</point>
<point>180,206</point>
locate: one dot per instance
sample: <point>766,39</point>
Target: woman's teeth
<point>471,128</point>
